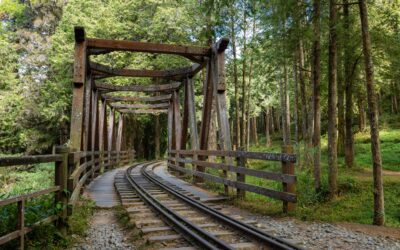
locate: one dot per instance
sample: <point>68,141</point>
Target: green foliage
<point>78,222</point>
<point>355,200</point>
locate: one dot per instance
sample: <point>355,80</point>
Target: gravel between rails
<point>104,233</point>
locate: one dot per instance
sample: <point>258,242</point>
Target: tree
<point>349,71</point>
<point>332,100</point>
<point>316,80</point>
<point>379,210</point>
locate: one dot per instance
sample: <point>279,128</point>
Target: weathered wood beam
<point>197,59</point>
<point>134,46</point>
<point>111,130</point>
<point>140,106</point>
<point>139,88</point>
<point>170,124</point>
<point>102,124</point>
<point>104,71</point>
<point>119,132</point>
<point>78,91</point>
<point>95,121</point>
<point>161,98</point>
<point>142,111</point>
<point>194,137</point>
<point>108,71</point>
<point>222,44</point>
<point>87,117</point>
<point>177,120</point>
<point>185,119</point>
<point>218,80</point>
<point>79,32</point>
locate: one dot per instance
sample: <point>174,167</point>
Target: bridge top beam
<point>142,111</point>
<point>160,98</point>
<point>138,88</point>
<point>107,45</point>
<point>140,106</point>
<point>103,71</point>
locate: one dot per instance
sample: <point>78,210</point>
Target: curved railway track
<point>175,219</point>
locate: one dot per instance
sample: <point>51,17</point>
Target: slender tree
<point>379,210</point>
<point>332,100</point>
<point>235,80</point>
<point>243,125</point>
<point>316,79</point>
<point>285,106</point>
<point>349,79</point>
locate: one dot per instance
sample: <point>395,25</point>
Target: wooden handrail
<point>29,196</point>
<point>250,155</point>
<point>247,171</point>
<point>27,160</point>
<point>178,158</point>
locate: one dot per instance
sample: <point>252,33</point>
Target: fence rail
<point>85,165</point>
<point>198,159</point>
<point>72,171</point>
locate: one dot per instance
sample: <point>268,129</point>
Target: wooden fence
<point>72,172</point>
<point>198,159</point>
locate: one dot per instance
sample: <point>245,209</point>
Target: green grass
<point>390,149</point>
<point>27,179</point>
<point>355,200</point>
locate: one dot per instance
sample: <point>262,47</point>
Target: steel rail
<point>202,238</point>
<point>250,231</point>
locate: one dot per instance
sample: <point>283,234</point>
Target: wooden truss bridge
<point>96,146</point>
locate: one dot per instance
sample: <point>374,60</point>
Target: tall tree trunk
<point>340,105</point>
<point>249,85</point>
<point>235,80</point>
<point>285,107</point>
<point>243,126</point>
<point>316,68</point>
<point>273,118</point>
<point>267,127</point>
<point>303,98</point>
<point>395,108</point>
<point>379,210</point>
<point>349,79</point>
<point>254,131</point>
<point>332,101</point>
<point>362,123</point>
<point>296,110</point>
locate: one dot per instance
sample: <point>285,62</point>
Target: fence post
<point>288,168</point>
<point>224,174</point>
<point>101,162</point>
<point>72,164</point>
<point>21,223</point>
<point>240,161</point>
<point>61,179</point>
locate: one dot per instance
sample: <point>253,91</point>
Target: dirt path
<point>104,233</point>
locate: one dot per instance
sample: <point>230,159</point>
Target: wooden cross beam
<point>140,106</point>
<point>142,111</point>
<point>139,88</point>
<point>102,71</point>
<point>134,46</point>
<point>161,98</point>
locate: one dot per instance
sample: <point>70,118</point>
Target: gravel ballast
<point>319,235</point>
<point>104,233</point>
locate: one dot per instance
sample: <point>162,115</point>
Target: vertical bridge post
<point>78,90</point>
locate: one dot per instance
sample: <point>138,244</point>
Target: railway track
<point>171,218</point>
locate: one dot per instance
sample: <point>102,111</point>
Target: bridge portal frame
<point>91,99</point>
